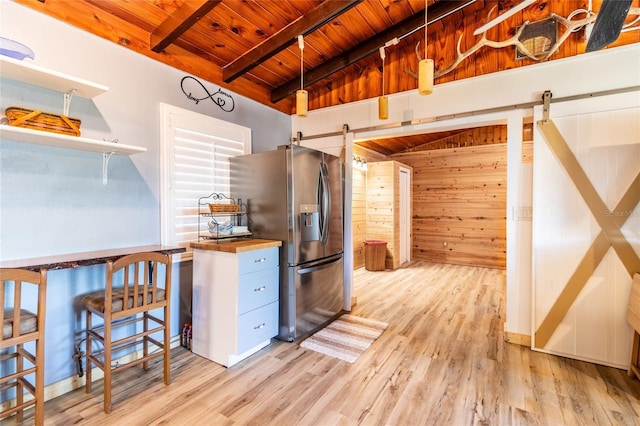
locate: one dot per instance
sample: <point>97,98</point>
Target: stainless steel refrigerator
<point>294,194</point>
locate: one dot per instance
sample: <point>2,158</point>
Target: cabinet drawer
<point>257,326</point>
<point>258,260</point>
<point>257,289</point>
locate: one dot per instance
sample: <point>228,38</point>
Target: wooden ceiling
<point>251,47</point>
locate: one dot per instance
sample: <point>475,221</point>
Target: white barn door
<point>586,227</point>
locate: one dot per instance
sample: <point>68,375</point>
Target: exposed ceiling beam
<point>309,22</point>
<point>437,11</point>
<point>179,22</point>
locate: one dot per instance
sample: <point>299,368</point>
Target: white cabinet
<point>235,303</point>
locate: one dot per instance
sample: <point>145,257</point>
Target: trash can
<point>375,252</point>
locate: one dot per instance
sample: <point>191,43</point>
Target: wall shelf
<point>40,137</point>
<point>27,72</point>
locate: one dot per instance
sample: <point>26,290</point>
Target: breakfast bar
<point>88,258</point>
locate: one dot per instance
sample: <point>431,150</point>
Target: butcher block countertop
<point>236,246</point>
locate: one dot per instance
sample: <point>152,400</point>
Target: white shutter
<point>195,163</point>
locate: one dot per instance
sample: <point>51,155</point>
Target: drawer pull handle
<point>262,259</point>
<point>263,288</point>
<point>258,327</point>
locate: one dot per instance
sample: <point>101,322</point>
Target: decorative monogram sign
<point>220,98</point>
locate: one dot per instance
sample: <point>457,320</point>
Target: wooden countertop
<point>236,246</point>
<point>75,260</point>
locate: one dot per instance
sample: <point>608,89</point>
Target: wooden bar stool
<point>19,327</point>
<point>135,285</point>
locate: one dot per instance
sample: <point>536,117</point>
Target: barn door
<point>586,227</point>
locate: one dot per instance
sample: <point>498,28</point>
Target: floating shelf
<point>40,137</point>
<point>27,72</point>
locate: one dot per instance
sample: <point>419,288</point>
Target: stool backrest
<point>14,298</point>
<point>142,281</point>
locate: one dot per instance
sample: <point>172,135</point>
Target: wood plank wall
<point>383,207</point>
<point>359,208</point>
<point>485,135</point>
<point>459,205</point>
<point>365,80</point>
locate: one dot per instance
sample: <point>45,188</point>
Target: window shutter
<point>196,152</point>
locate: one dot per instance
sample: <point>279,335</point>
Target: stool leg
<point>87,386</point>
<point>19,387</point>
<point>145,341</point>
<point>39,415</point>
<point>167,346</point>
<point>107,365</point>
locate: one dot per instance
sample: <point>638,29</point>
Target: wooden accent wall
<point>485,135</point>
<point>359,216</point>
<point>459,205</point>
<point>359,207</point>
<point>383,207</point>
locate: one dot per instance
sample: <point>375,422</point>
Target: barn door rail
<point>437,118</point>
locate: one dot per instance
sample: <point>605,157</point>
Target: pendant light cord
<point>426,21</point>
<point>382,56</point>
<point>301,46</point>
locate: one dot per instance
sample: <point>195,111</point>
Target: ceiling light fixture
<point>425,66</point>
<point>302,97</point>
<point>504,16</point>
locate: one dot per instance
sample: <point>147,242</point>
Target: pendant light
<point>302,97</point>
<point>425,66</point>
<point>383,101</point>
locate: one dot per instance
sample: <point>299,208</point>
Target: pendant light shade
<point>425,77</point>
<point>302,97</point>
<point>302,102</point>
<point>383,107</point>
<point>425,66</point>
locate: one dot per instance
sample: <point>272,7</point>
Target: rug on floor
<point>345,338</point>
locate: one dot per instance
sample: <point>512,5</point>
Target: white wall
<point>52,200</point>
<point>594,72</point>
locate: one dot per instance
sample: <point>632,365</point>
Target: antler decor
<point>569,24</point>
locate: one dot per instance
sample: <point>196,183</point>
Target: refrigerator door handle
<point>318,266</point>
<point>324,199</point>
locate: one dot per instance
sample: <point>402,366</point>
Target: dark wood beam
<point>306,24</point>
<point>179,22</point>
<point>437,11</point>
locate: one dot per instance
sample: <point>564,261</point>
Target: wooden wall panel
<point>381,201</point>
<point>359,218</point>
<point>459,205</point>
<point>383,207</point>
<point>359,207</point>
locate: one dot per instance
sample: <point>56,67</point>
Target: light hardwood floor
<point>442,361</point>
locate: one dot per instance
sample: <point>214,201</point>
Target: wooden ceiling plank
<point>311,21</point>
<point>179,22</point>
<point>366,48</point>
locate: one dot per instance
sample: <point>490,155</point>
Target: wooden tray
<point>38,120</point>
<point>224,208</point>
